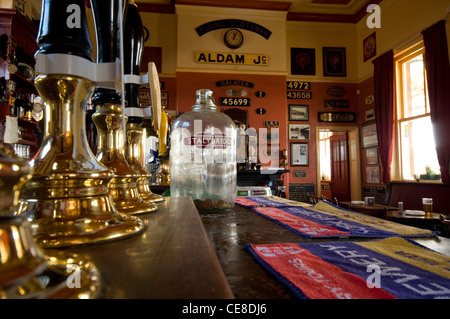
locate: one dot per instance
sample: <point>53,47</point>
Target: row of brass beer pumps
<point>66,195</point>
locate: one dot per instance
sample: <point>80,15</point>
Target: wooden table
<point>432,221</point>
<point>171,259</point>
<point>376,210</point>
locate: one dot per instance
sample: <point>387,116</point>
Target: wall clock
<point>233,38</point>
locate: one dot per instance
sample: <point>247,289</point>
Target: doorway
<point>338,162</point>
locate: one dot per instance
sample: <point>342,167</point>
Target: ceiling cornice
<point>260,5</point>
<point>247,4</point>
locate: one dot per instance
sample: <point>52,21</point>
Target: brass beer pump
<point>109,116</point>
<point>133,47</point>
<point>67,197</point>
<point>26,272</point>
<point>134,156</point>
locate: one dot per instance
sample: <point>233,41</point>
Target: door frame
<point>354,158</point>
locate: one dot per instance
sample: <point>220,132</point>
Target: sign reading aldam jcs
<point>231,58</point>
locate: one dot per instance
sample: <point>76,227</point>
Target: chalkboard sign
<point>299,191</point>
<point>379,192</point>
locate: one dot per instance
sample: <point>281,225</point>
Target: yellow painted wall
<point>163,33</point>
<point>316,35</point>
<point>401,22</point>
<point>189,42</point>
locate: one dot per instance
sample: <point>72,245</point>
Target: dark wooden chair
<point>335,201</point>
<point>313,199</point>
<point>445,226</point>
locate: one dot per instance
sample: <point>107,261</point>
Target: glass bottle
<point>203,156</point>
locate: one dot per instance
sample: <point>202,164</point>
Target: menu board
<point>299,191</point>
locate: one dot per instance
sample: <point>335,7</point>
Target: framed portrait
<point>369,136</point>
<point>371,156</point>
<point>299,131</point>
<point>370,47</point>
<point>303,61</point>
<point>298,113</point>
<point>334,62</point>
<point>373,175</point>
<point>299,154</point>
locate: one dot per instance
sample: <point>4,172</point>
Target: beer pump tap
<point>26,270</point>
<point>67,197</point>
<point>109,116</point>
<point>133,48</point>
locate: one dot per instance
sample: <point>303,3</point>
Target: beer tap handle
<point>155,91</point>
<point>133,41</point>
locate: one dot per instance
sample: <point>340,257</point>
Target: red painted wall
<point>274,101</point>
<point>366,89</point>
<point>316,104</point>
<point>169,86</point>
<point>276,105</point>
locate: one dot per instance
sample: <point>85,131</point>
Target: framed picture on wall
<point>299,131</point>
<point>369,135</point>
<point>371,156</point>
<point>370,47</point>
<point>370,115</point>
<point>299,154</point>
<point>373,175</point>
<point>334,62</point>
<point>303,61</point>
<point>298,113</point>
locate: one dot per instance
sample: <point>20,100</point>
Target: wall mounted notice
<point>233,23</point>
<point>231,58</point>
<point>299,191</point>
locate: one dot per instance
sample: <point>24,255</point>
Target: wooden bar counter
<point>186,255</point>
<point>171,259</point>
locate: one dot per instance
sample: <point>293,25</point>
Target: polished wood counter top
<point>186,255</point>
<point>171,259</point>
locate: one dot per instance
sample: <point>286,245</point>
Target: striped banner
<point>325,220</point>
<point>271,201</point>
<point>385,269</point>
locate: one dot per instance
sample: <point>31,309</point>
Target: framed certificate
<point>299,154</point>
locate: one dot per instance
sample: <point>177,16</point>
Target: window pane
<point>413,87</point>
<point>417,147</point>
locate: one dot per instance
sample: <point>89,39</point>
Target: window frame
<point>400,59</point>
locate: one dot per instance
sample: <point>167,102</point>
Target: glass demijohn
<point>203,156</point>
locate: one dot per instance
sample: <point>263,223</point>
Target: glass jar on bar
<point>203,156</point>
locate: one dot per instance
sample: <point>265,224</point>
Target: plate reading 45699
<point>234,101</point>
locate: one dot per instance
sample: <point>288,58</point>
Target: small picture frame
<point>303,61</point>
<point>371,156</point>
<point>369,47</point>
<point>369,136</point>
<point>372,175</point>
<point>299,131</point>
<point>298,113</point>
<point>334,62</point>
<point>370,115</point>
<point>299,154</point>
